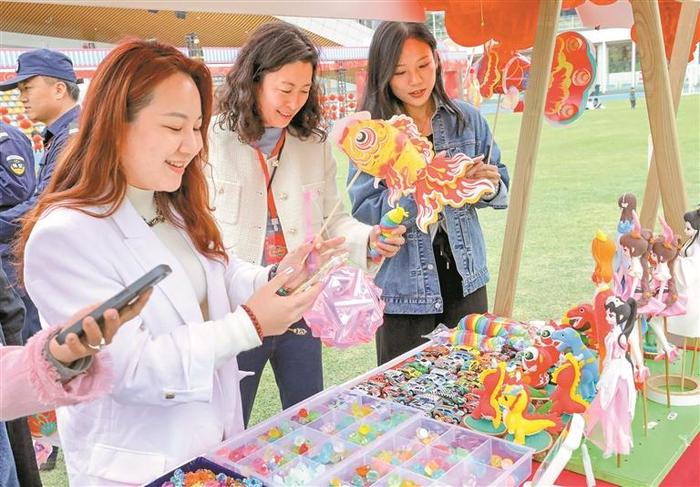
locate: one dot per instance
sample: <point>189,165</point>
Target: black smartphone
<point>119,301</point>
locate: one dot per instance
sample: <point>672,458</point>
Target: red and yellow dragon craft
<point>487,407</point>
<point>565,398</point>
<point>394,151</point>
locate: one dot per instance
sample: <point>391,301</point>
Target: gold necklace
<point>159,218</point>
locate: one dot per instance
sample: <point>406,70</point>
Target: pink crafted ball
<point>349,309</point>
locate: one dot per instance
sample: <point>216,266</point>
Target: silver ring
<point>98,347</point>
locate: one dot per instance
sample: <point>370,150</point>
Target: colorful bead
<point>202,478</point>
<point>360,411</point>
<point>306,416</point>
<point>299,474</point>
<point>425,436</point>
<point>239,453</point>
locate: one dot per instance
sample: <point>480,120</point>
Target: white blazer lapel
<point>149,252</point>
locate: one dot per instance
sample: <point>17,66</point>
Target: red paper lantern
<point>512,23</point>
<point>669,11</point>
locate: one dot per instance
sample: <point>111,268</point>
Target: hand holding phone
<point>95,338</point>
<point>119,301</point>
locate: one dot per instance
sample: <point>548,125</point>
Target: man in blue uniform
<point>49,91</point>
<point>17,176</point>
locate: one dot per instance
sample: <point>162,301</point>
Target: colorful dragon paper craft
<point>568,338</point>
<point>492,380</point>
<point>519,423</point>
<point>396,152</point>
<point>565,398</point>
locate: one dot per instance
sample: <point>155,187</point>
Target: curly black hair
<point>269,48</point>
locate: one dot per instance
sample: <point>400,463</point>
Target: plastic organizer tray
<point>357,440</point>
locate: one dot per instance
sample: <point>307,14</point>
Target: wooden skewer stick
<point>618,460</point>
<point>644,383</point>
<point>668,387</point>
<point>685,343</point>
<point>692,365</point>
<point>338,203</point>
<point>495,126</point>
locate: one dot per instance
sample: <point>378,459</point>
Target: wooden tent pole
<point>677,69</point>
<point>528,143</point>
<point>662,120</point>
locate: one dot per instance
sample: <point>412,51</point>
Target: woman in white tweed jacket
<point>272,173</point>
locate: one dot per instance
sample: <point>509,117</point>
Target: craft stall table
<point>408,423</point>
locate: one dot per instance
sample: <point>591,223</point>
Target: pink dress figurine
<point>665,252</point>
<point>627,204</point>
<point>609,418</point>
<point>634,247</point>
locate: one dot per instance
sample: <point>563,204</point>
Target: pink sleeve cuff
<point>45,379</point>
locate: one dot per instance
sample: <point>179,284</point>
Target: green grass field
<point>581,170</point>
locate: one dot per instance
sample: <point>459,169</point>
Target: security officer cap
<point>41,62</point>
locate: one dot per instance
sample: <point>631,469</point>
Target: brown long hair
<point>269,48</point>
<point>89,172</point>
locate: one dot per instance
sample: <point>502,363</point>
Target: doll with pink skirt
<point>609,417</point>
<point>666,300</point>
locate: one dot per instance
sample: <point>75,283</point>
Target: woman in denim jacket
<point>440,276</point>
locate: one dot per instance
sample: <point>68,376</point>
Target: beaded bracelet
<point>254,319</point>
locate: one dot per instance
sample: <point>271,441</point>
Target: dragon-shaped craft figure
<point>565,398</point>
<point>568,338</point>
<point>493,381</point>
<point>515,401</point>
<point>536,362</point>
<point>394,151</point>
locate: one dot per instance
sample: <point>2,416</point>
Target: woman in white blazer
<point>274,185</point>
<point>130,194</point>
